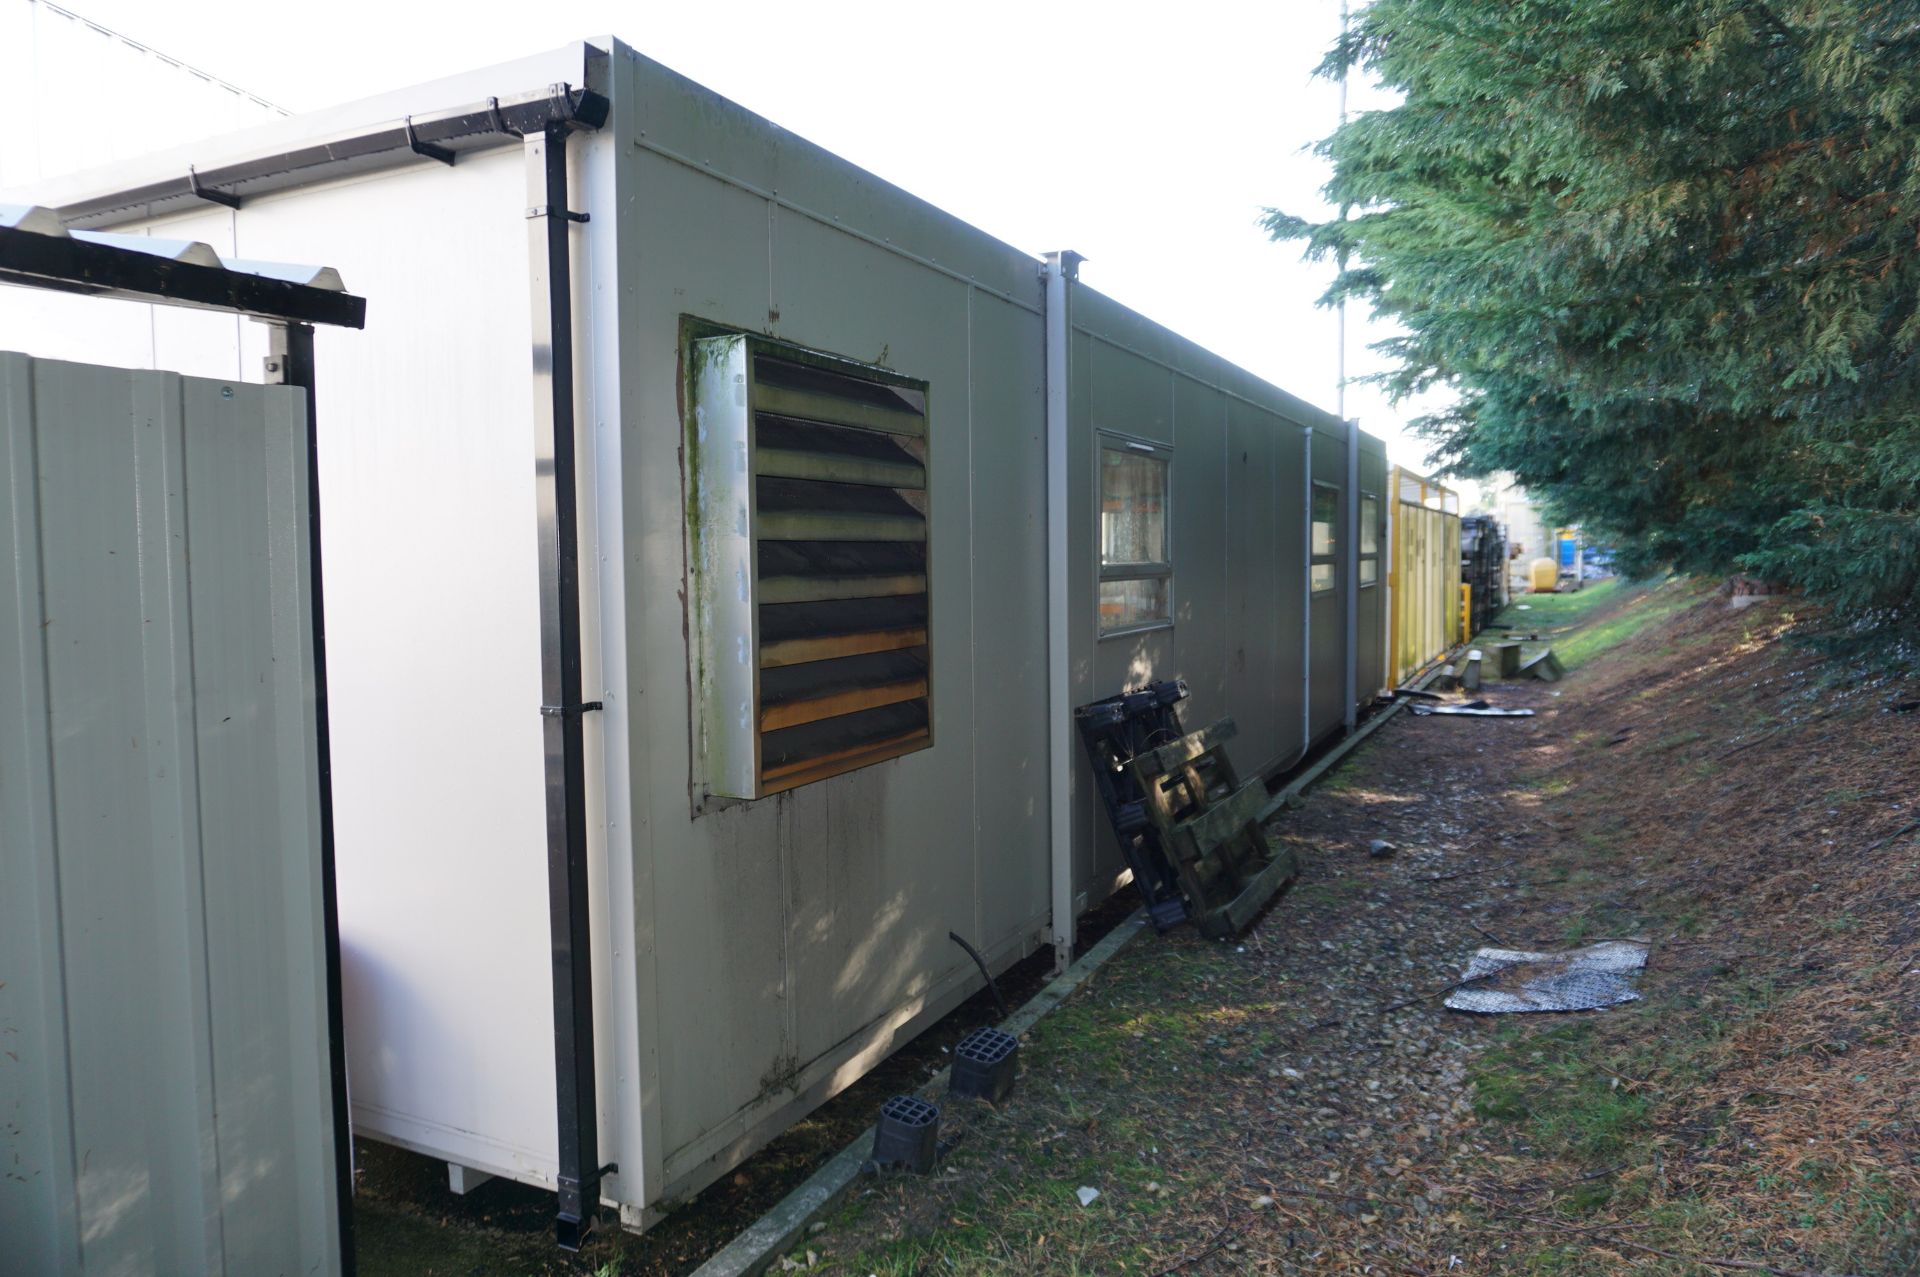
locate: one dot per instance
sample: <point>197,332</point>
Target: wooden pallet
<point>1209,825</point>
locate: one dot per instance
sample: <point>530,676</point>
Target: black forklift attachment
<point>1116,731</point>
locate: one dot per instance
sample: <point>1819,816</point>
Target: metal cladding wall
<point>164,1095</point>
<point>784,945</point>
<point>1239,451</point>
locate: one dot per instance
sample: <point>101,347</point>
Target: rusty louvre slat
<point>820,589</point>
<point>779,779</point>
<point>800,651</point>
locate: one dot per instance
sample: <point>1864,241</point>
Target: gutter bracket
<point>208,193</point>
<point>498,120</point>
<point>428,149</point>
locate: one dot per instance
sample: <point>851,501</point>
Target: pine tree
<point>1669,256</point>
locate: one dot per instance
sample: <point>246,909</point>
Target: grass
<point>1639,608</point>
<point>1568,1106</point>
<point>1544,611</point>
<point>1579,625</point>
<point>1023,1165</point>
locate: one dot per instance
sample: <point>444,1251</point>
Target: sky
<point>1148,138</point>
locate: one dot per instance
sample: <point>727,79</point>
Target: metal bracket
<point>562,711</point>
<point>498,120</point>
<point>428,149</point>
<point>208,193</point>
<point>544,210</point>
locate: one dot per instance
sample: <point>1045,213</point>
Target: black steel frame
<point>80,266</point>
<point>290,363</point>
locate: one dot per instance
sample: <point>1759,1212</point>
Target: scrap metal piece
<point>1470,709</point>
<point>1504,981</point>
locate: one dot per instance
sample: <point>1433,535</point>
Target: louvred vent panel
<point>808,530</point>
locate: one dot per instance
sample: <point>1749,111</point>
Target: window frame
<point>1365,555</point>
<point>1332,557</point>
<point>1114,441</point>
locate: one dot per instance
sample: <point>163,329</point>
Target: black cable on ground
<point>981,962</point>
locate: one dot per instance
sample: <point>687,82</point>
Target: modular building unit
<point>867,501</point>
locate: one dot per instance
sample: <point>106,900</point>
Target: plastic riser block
<point>907,1137</point>
<point>984,1065</point>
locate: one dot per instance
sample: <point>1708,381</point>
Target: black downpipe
<point>292,352</point>
<point>561,709</point>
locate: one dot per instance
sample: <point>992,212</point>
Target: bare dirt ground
<point>1301,1103</point>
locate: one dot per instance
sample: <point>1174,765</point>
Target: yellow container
<point>1543,575</point>
<point>1423,572</point>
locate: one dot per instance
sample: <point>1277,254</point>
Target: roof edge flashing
<point>358,138</point>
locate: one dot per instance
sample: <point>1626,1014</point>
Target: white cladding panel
<point>426,473</point>
<point>162,983</point>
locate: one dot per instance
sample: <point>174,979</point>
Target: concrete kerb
<point>775,1232</point>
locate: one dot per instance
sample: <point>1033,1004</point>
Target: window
<point>1136,561</point>
<point>1326,513</point>
<point>808,535</point>
<point>1369,539</point>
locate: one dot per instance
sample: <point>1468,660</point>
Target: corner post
<point>1306,590</point>
<point>1060,271</point>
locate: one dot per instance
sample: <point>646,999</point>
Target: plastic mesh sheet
<point>1511,980</point>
